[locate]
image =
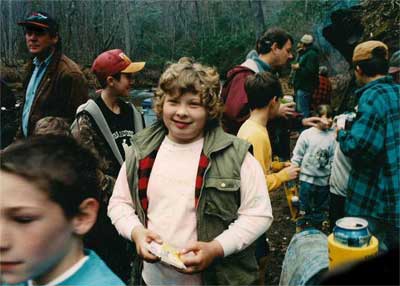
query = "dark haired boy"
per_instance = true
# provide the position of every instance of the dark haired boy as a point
(263, 91)
(373, 144)
(52, 203)
(54, 86)
(106, 126)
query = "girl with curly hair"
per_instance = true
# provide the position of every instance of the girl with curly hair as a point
(187, 183)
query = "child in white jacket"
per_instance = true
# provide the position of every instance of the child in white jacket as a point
(314, 154)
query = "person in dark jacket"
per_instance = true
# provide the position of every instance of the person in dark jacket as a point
(54, 86)
(306, 76)
(8, 115)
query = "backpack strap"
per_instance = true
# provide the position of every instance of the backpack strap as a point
(93, 109)
(137, 119)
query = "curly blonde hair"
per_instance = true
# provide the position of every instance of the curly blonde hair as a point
(189, 76)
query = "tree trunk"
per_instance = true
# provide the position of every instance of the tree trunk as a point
(126, 12)
(259, 22)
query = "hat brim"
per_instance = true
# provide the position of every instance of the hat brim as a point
(35, 24)
(134, 67)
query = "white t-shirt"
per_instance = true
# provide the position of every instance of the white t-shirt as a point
(71, 271)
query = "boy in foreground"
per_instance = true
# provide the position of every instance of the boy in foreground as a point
(52, 202)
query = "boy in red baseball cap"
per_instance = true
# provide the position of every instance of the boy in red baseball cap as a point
(106, 125)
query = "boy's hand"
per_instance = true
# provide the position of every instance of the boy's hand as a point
(199, 255)
(292, 171)
(142, 236)
(287, 109)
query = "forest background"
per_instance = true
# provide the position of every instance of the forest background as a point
(214, 32)
(218, 33)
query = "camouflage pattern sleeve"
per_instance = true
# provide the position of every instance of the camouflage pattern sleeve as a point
(85, 132)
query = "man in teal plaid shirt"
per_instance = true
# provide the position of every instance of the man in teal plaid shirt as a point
(373, 144)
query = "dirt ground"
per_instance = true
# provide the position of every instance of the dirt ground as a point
(279, 235)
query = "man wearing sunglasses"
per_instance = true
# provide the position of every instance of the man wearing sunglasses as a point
(54, 86)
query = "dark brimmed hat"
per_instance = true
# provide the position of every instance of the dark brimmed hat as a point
(40, 20)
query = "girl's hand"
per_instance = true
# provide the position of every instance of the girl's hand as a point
(142, 236)
(199, 255)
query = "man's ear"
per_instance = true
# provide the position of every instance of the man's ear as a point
(272, 103)
(55, 39)
(358, 70)
(274, 47)
(274, 100)
(110, 80)
(86, 218)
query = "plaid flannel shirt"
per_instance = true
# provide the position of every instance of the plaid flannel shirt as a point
(322, 94)
(373, 143)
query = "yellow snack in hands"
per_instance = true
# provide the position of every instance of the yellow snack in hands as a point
(167, 254)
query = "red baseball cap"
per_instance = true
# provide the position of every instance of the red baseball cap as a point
(112, 62)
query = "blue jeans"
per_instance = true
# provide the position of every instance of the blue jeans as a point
(314, 204)
(305, 258)
(303, 102)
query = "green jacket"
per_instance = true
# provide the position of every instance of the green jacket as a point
(306, 77)
(218, 204)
